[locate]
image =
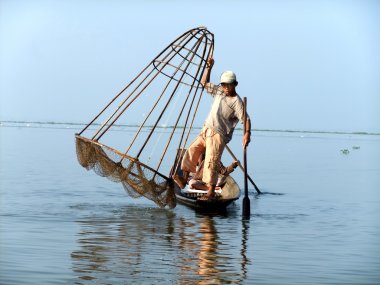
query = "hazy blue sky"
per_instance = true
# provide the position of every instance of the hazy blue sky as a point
(304, 65)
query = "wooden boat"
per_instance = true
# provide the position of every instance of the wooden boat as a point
(225, 196)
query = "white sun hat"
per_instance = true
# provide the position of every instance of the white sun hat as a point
(228, 77)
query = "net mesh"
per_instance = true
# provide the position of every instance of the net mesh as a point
(137, 179)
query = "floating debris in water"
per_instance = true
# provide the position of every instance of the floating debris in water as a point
(356, 147)
(345, 151)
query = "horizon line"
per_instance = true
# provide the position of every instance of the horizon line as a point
(195, 127)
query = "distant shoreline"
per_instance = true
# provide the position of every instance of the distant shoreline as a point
(196, 127)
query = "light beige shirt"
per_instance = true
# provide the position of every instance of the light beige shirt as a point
(225, 113)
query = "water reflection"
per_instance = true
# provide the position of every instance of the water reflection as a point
(136, 245)
(244, 245)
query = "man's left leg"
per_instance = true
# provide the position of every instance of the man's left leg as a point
(214, 149)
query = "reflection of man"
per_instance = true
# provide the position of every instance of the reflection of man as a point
(226, 111)
(207, 256)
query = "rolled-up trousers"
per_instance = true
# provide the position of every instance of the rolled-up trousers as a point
(212, 144)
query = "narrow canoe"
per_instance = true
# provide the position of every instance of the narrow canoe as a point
(226, 195)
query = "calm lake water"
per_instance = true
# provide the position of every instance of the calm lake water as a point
(317, 221)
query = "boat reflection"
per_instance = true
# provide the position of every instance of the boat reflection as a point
(136, 245)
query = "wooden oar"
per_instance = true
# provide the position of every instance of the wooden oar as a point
(242, 168)
(246, 202)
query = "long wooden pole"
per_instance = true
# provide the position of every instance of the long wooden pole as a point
(242, 169)
(246, 202)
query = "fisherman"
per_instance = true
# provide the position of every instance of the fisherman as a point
(226, 111)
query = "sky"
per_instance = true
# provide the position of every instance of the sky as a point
(303, 65)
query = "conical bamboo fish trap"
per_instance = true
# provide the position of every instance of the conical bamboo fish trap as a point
(135, 138)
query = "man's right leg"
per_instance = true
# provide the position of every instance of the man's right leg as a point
(190, 160)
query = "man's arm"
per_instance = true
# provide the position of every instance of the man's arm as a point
(206, 75)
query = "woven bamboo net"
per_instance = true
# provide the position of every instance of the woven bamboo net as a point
(149, 120)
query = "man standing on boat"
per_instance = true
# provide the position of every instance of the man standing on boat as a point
(226, 111)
